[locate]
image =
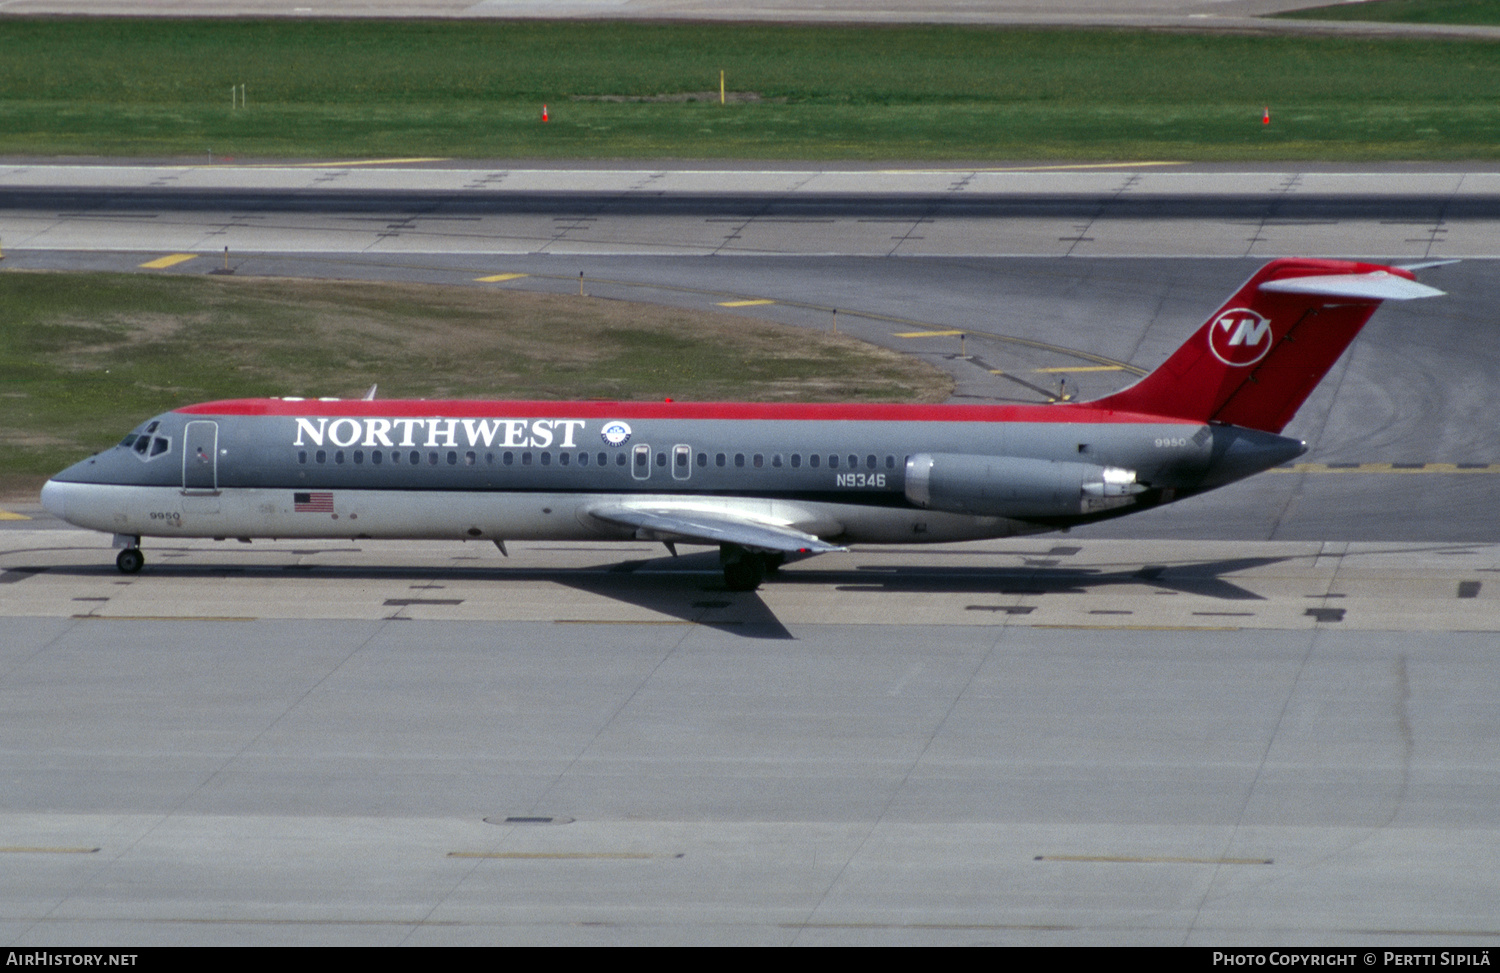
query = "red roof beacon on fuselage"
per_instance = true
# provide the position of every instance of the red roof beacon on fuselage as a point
(762, 482)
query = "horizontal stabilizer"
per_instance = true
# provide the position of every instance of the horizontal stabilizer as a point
(1378, 286)
(667, 522)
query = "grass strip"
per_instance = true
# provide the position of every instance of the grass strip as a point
(475, 89)
(88, 356)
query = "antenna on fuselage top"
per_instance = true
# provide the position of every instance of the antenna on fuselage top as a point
(370, 395)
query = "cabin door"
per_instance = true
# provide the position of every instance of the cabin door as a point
(200, 457)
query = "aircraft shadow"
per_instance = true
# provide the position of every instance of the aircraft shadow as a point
(1202, 578)
(690, 587)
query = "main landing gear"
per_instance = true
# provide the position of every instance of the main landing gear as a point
(130, 559)
(745, 570)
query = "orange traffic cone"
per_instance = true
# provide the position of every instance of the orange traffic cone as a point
(544, 113)
(1264, 119)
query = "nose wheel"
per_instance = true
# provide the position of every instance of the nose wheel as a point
(130, 560)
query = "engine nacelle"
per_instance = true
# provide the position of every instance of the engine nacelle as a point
(1011, 486)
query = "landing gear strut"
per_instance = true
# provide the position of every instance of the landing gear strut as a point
(745, 570)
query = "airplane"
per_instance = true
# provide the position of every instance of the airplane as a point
(763, 482)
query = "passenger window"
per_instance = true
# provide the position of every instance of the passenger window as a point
(739, 460)
(526, 458)
(562, 459)
(302, 456)
(583, 459)
(813, 460)
(702, 460)
(375, 456)
(546, 458)
(776, 460)
(833, 461)
(508, 459)
(890, 462)
(720, 459)
(359, 457)
(432, 458)
(321, 456)
(338, 457)
(870, 462)
(661, 459)
(759, 461)
(416, 457)
(452, 457)
(470, 459)
(619, 459)
(395, 457)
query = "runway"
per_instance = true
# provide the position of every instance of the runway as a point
(1264, 716)
(1242, 15)
(430, 207)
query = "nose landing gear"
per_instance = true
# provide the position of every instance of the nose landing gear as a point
(130, 559)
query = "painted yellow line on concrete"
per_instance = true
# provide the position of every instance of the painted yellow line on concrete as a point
(926, 334)
(1153, 860)
(754, 303)
(1059, 168)
(11, 515)
(340, 165)
(1141, 628)
(1085, 368)
(495, 279)
(621, 621)
(560, 855)
(43, 850)
(167, 618)
(170, 260)
(1388, 468)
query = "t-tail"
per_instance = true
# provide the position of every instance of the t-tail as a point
(1256, 360)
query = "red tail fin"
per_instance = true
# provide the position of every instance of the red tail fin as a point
(1256, 360)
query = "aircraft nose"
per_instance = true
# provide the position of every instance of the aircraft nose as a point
(54, 498)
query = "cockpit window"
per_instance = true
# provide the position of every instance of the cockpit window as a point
(145, 445)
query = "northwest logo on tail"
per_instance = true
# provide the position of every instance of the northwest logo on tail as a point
(1240, 337)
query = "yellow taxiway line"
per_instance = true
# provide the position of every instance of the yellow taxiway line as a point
(170, 260)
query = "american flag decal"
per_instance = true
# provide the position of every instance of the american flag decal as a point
(312, 503)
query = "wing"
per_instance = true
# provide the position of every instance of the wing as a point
(666, 523)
